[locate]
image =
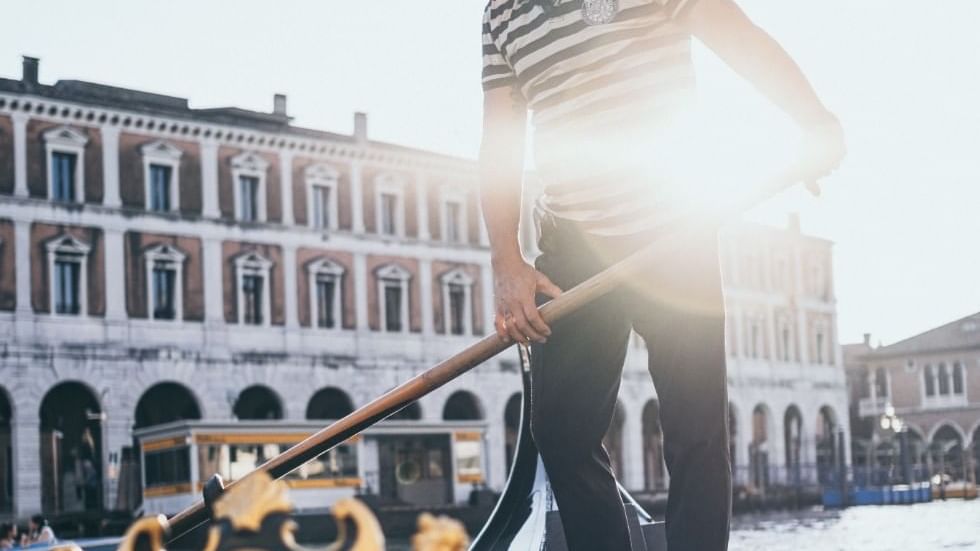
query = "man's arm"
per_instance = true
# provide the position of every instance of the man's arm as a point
(749, 50)
(501, 174)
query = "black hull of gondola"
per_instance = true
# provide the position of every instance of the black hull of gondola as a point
(526, 517)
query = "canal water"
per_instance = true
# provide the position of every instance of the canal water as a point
(936, 526)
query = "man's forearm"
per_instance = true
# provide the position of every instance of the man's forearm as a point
(757, 57)
(500, 198)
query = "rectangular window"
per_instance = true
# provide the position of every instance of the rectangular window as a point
(457, 296)
(66, 280)
(326, 286)
(168, 467)
(393, 306)
(164, 292)
(819, 348)
(453, 217)
(63, 176)
(252, 303)
(160, 182)
(248, 197)
(321, 207)
(389, 210)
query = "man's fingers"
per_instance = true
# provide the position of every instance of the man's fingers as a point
(524, 329)
(545, 286)
(501, 326)
(536, 321)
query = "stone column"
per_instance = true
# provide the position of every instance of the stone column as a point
(422, 202)
(20, 154)
(22, 268)
(115, 277)
(356, 198)
(26, 444)
(290, 288)
(286, 187)
(361, 278)
(801, 325)
(486, 285)
(214, 311)
(426, 299)
(110, 166)
(209, 179)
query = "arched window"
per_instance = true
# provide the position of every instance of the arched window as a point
(958, 378)
(462, 406)
(929, 380)
(943, 376)
(71, 442)
(881, 383)
(258, 402)
(165, 403)
(329, 403)
(793, 440)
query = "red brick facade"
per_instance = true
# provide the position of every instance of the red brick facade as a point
(8, 274)
(6, 155)
(136, 244)
(41, 280)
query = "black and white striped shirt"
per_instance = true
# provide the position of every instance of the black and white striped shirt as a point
(598, 95)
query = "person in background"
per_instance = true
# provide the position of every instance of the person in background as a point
(8, 536)
(39, 530)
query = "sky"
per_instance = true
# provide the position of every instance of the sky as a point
(903, 210)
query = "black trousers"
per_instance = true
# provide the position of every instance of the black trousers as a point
(678, 309)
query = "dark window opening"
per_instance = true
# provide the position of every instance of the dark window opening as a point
(67, 274)
(160, 187)
(252, 295)
(63, 176)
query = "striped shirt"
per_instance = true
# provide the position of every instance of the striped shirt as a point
(598, 95)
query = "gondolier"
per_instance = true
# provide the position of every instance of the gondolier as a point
(604, 79)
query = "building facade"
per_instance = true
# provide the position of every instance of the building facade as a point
(930, 383)
(162, 264)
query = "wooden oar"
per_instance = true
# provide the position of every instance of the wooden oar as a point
(491, 345)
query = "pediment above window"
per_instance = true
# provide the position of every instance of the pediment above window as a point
(389, 179)
(321, 172)
(325, 266)
(160, 149)
(457, 277)
(67, 244)
(253, 260)
(65, 136)
(393, 271)
(249, 161)
(165, 252)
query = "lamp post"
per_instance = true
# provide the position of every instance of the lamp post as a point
(891, 422)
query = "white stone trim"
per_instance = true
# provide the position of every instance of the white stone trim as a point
(286, 186)
(252, 263)
(20, 121)
(457, 277)
(66, 245)
(939, 400)
(401, 277)
(174, 259)
(249, 164)
(325, 266)
(450, 195)
(324, 176)
(389, 184)
(209, 179)
(65, 139)
(110, 166)
(162, 153)
(422, 205)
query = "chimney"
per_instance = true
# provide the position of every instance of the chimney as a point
(279, 105)
(360, 127)
(867, 340)
(30, 70)
(793, 223)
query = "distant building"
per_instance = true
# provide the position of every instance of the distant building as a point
(199, 277)
(931, 382)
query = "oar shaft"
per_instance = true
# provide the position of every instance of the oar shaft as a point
(486, 348)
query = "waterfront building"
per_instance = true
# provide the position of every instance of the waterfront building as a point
(176, 279)
(931, 383)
